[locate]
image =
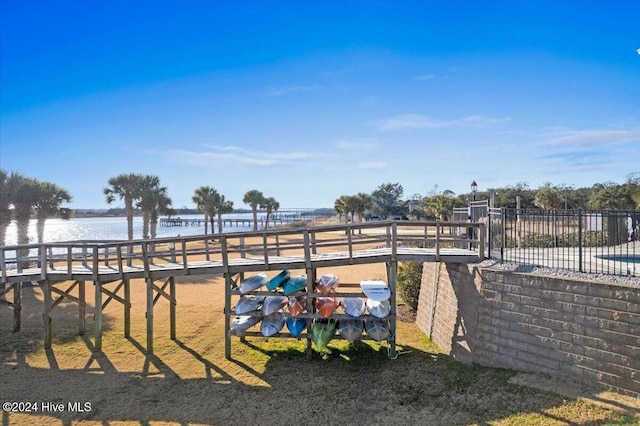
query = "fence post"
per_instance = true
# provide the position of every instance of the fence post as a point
(503, 243)
(580, 240)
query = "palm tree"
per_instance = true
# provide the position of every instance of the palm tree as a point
(271, 205)
(162, 205)
(206, 200)
(363, 203)
(23, 193)
(222, 206)
(150, 189)
(5, 203)
(127, 187)
(254, 198)
(339, 207)
(50, 196)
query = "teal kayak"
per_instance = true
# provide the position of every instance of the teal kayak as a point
(295, 284)
(278, 280)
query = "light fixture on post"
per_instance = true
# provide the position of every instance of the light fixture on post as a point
(474, 189)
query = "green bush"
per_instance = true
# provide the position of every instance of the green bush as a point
(409, 279)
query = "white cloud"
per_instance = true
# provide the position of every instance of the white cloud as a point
(592, 138)
(235, 155)
(418, 121)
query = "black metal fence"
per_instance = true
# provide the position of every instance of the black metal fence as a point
(593, 241)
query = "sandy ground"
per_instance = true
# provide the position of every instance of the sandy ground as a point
(188, 381)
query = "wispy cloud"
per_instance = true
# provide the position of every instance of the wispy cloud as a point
(591, 138)
(418, 121)
(279, 91)
(356, 144)
(235, 155)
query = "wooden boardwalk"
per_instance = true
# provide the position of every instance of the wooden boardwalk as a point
(71, 264)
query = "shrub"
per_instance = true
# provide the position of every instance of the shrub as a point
(408, 283)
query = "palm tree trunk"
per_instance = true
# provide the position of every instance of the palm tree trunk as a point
(146, 218)
(40, 228)
(154, 223)
(5, 220)
(128, 203)
(220, 221)
(22, 224)
(266, 224)
(255, 217)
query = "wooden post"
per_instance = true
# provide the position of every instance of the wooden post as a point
(46, 288)
(227, 293)
(127, 308)
(310, 282)
(17, 305)
(98, 302)
(98, 316)
(82, 308)
(149, 281)
(172, 307)
(393, 274)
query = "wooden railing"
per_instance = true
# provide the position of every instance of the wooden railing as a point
(36, 259)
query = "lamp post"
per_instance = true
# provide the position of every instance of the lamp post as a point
(474, 189)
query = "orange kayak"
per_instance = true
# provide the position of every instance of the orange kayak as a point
(326, 305)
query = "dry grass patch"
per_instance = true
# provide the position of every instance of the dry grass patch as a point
(189, 381)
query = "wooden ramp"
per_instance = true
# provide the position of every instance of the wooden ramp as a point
(116, 263)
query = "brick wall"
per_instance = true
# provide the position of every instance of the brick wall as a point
(587, 331)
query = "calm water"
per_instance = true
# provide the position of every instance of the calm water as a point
(112, 228)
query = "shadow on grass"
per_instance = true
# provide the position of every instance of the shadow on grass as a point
(352, 383)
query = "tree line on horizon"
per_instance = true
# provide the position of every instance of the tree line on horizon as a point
(22, 198)
(388, 200)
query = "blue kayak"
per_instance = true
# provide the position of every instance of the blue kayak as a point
(296, 326)
(295, 284)
(278, 281)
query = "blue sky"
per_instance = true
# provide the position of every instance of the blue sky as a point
(306, 101)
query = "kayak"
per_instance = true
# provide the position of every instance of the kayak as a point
(296, 326)
(278, 280)
(323, 332)
(375, 289)
(327, 284)
(378, 309)
(353, 306)
(376, 329)
(295, 284)
(248, 304)
(253, 283)
(351, 329)
(326, 305)
(272, 304)
(296, 305)
(242, 323)
(272, 324)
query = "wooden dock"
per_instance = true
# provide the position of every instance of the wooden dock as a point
(279, 218)
(62, 269)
